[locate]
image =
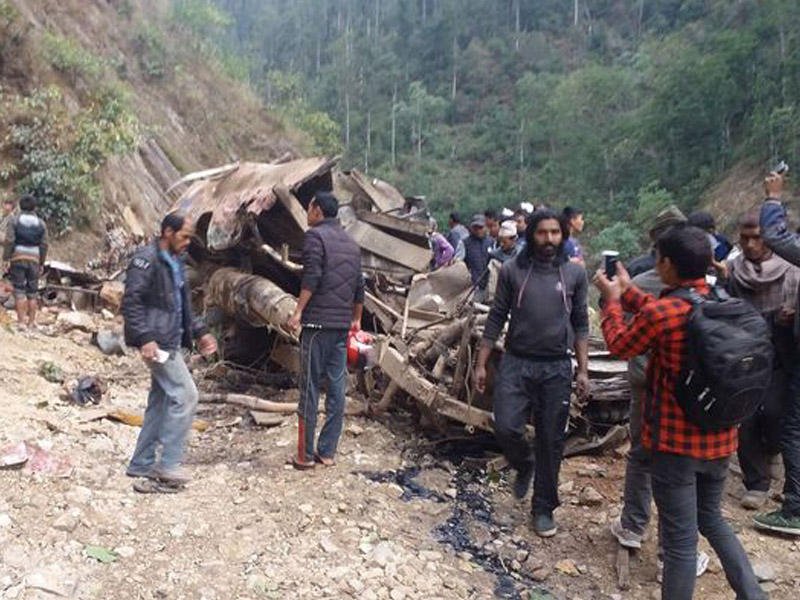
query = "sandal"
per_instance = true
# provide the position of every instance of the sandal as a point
(152, 486)
(325, 461)
(301, 465)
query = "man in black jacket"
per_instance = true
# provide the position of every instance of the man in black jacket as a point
(476, 255)
(545, 295)
(330, 303)
(159, 321)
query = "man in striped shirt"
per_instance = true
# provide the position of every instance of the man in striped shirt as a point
(688, 465)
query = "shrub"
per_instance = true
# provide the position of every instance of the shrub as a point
(57, 154)
(71, 59)
(150, 47)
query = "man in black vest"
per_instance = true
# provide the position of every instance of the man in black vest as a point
(26, 249)
(330, 303)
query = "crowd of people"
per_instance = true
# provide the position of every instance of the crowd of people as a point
(648, 312)
(541, 303)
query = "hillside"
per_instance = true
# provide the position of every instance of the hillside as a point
(105, 103)
(615, 106)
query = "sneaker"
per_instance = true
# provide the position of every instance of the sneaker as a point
(544, 525)
(523, 482)
(175, 476)
(137, 473)
(625, 537)
(754, 499)
(702, 563)
(777, 521)
(701, 566)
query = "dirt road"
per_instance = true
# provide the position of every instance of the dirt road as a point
(396, 518)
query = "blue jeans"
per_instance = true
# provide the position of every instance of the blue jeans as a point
(688, 493)
(543, 388)
(170, 410)
(638, 493)
(323, 353)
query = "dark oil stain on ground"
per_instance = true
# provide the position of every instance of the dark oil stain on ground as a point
(471, 504)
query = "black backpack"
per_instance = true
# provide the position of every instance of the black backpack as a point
(729, 360)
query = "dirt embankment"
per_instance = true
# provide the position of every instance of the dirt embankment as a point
(191, 114)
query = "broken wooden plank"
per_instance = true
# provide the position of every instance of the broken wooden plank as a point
(386, 399)
(623, 568)
(395, 224)
(464, 357)
(374, 240)
(382, 195)
(136, 419)
(265, 419)
(257, 404)
(292, 205)
(384, 313)
(409, 380)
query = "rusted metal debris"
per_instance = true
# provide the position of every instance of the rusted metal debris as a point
(249, 220)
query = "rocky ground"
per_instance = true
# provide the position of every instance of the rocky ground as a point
(400, 516)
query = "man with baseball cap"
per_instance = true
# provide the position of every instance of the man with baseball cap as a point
(476, 255)
(668, 217)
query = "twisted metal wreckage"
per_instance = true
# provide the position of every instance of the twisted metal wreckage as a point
(249, 221)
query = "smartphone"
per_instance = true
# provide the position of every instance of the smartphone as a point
(610, 260)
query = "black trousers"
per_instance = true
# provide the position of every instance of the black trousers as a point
(542, 388)
(760, 435)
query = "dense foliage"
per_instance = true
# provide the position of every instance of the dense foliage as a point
(614, 105)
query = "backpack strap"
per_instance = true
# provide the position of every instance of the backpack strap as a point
(691, 295)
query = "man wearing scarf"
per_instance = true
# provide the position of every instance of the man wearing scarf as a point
(769, 283)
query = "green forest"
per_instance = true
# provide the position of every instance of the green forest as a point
(616, 106)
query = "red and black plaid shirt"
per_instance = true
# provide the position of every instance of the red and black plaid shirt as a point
(659, 326)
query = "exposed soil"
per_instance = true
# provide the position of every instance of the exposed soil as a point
(400, 516)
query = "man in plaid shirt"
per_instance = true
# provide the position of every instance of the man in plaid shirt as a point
(688, 465)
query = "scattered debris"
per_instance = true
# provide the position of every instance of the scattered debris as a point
(87, 389)
(68, 321)
(110, 342)
(33, 458)
(100, 554)
(136, 419)
(568, 567)
(51, 372)
(590, 497)
(265, 419)
(13, 456)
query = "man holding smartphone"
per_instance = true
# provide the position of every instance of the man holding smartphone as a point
(786, 244)
(158, 320)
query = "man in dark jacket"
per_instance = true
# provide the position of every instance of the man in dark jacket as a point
(786, 244)
(770, 284)
(330, 303)
(159, 321)
(476, 255)
(26, 250)
(545, 295)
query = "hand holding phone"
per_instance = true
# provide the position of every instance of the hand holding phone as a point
(610, 260)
